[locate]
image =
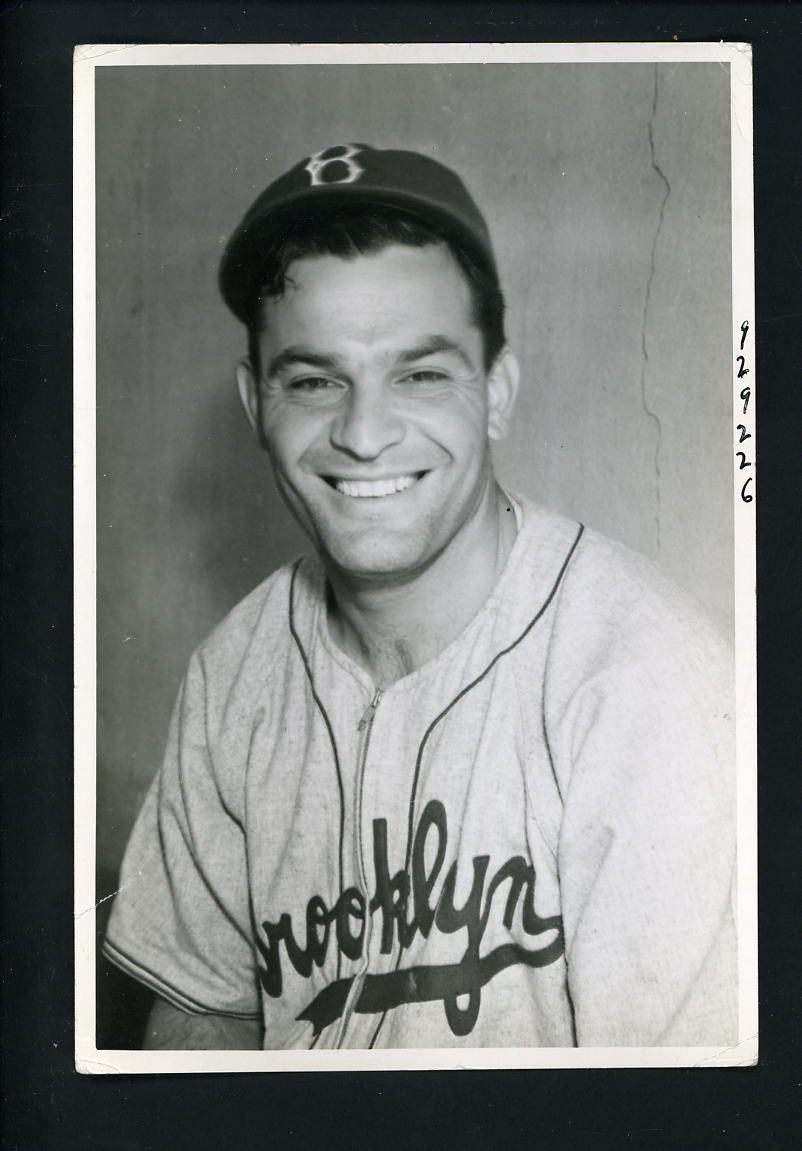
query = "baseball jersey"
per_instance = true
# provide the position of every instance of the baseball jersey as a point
(528, 841)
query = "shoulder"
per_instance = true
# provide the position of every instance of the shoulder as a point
(636, 677)
(620, 597)
(628, 643)
(614, 608)
(255, 631)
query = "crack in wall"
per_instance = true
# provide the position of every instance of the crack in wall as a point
(650, 412)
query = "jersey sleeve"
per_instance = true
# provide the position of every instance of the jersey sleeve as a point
(181, 920)
(645, 760)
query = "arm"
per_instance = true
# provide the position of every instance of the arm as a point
(181, 919)
(641, 737)
(170, 1029)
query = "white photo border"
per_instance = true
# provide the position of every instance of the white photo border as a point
(87, 59)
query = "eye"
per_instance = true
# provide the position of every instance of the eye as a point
(426, 376)
(311, 384)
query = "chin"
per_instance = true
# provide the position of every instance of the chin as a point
(379, 560)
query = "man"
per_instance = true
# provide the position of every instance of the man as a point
(463, 776)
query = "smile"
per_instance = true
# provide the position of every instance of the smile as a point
(372, 489)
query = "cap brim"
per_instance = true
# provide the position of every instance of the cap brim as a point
(243, 262)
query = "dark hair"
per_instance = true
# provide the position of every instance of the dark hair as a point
(359, 230)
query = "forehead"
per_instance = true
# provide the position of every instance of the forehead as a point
(392, 291)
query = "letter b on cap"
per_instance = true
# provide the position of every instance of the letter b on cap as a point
(334, 165)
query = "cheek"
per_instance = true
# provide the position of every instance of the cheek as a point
(290, 432)
(459, 423)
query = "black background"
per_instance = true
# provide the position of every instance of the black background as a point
(46, 1104)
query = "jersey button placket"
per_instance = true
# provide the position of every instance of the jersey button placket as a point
(364, 732)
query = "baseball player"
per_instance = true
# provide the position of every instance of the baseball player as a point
(463, 775)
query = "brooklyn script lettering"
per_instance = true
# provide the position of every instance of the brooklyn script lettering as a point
(413, 889)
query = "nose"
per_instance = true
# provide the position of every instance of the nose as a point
(366, 423)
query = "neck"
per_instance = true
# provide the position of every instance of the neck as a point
(392, 629)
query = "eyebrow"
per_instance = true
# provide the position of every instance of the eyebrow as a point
(298, 354)
(430, 346)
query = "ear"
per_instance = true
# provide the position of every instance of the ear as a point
(502, 388)
(248, 393)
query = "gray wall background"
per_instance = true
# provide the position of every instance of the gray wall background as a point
(606, 187)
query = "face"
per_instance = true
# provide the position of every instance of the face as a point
(376, 409)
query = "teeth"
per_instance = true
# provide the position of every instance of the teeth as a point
(370, 489)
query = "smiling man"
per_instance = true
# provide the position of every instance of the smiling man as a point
(463, 775)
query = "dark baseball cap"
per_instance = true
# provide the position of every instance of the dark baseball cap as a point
(351, 174)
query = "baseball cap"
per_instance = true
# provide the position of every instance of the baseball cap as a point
(350, 174)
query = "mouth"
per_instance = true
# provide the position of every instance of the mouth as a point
(374, 489)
